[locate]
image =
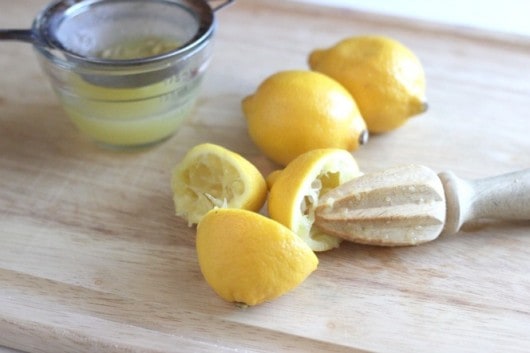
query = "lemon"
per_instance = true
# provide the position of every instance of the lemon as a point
(385, 78)
(249, 258)
(293, 112)
(212, 176)
(295, 191)
(271, 178)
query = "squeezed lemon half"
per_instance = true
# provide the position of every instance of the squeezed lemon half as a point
(211, 176)
(295, 191)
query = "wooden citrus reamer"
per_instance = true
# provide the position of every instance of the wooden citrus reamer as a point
(411, 205)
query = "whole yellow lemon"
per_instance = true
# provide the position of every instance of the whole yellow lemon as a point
(385, 78)
(293, 112)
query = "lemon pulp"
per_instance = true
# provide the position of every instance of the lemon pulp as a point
(137, 48)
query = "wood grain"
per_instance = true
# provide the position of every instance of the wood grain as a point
(92, 257)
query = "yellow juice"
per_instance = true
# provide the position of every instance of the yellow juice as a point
(129, 116)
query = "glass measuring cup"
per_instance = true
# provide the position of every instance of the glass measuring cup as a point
(127, 72)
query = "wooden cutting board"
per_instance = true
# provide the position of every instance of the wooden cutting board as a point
(92, 258)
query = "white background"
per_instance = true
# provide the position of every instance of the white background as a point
(509, 16)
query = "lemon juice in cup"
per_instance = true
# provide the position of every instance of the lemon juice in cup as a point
(130, 115)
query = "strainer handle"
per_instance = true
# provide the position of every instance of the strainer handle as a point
(222, 4)
(23, 35)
